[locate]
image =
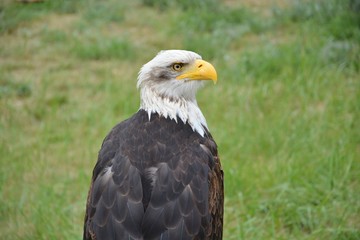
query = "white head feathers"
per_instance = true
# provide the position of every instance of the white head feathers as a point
(162, 93)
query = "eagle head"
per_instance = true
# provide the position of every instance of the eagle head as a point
(176, 74)
(168, 84)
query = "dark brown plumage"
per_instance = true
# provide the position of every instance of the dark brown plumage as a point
(155, 178)
(187, 195)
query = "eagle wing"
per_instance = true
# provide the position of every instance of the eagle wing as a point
(114, 206)
(187, 196)
(178, 205)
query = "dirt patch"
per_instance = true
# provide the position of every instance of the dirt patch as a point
(259, 6)
(58, 22)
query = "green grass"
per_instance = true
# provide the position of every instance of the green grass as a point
(285, 111)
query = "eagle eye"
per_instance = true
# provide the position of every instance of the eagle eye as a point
(177, 66)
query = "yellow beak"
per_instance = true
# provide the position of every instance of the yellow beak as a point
(200, 70)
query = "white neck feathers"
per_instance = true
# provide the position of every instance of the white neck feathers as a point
(185, 109)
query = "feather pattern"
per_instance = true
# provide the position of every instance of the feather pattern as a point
(149, 183)
(187, 110)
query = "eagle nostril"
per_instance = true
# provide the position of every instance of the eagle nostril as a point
(200, 66)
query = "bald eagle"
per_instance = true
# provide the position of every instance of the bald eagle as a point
(158, 174)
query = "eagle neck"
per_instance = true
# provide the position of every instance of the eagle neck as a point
(186, 110)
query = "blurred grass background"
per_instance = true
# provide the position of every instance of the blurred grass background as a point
(285, 112)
